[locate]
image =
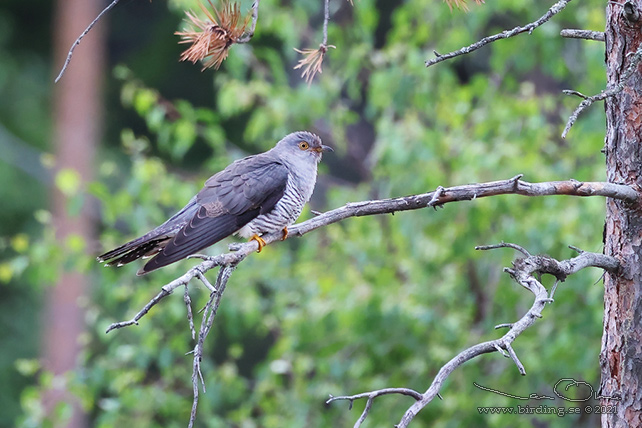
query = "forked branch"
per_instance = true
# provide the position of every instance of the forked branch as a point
(606, 93)
(525, 272)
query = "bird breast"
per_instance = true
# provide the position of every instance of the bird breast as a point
(298, 191)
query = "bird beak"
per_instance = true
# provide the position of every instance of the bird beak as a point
(324, 148)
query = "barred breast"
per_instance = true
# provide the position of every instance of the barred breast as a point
(284, 213)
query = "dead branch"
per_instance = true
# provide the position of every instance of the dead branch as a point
(554, 10)
(525, 272)
(83, 34)
(371, 396)
(255, 16)
(239, 251)
(226, 259)
(439, 197)
(571, 33)
(606, 93)
(206, 325)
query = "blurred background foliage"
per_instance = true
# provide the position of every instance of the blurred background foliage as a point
(364, 304)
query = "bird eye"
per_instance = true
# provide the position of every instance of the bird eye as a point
(303, 145)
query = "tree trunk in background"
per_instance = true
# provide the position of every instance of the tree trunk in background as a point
(621, 356)
(77, 126)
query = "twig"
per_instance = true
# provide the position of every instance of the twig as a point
(326, 20)
(571, 33)
(371, 396)
(226, 259)
(523, 273)
(504, 245)
(439, 191)
(555, 9)
(190, 317)
(83, 34)
(165, 291)
(605, 93)
(209, 313)
(206, 282)
(255, 16)
(576, 93)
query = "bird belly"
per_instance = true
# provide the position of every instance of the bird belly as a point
(284, 213)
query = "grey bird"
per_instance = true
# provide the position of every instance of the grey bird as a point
(259, 194)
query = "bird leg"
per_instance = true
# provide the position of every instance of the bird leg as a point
(285, 234)
(259, 241)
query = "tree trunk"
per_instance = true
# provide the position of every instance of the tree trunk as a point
(77, 121)
(621, 355)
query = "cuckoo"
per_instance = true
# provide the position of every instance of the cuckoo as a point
(259, 194)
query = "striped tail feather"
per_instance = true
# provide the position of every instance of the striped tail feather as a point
(134, 250)
(152, 242)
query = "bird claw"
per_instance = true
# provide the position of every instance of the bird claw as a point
(259, 241)
(285, 234)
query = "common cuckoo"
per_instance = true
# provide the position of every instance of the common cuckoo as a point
(253, 196)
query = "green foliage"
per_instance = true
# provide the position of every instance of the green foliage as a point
(369, 302)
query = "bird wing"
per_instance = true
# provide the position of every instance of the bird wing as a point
(230, 199)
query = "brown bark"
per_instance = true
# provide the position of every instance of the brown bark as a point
(621, 355)
(77, 118)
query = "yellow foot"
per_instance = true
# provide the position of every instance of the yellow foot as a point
(259, 241)
(285, 234)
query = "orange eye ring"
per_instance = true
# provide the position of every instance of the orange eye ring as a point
(303, 145)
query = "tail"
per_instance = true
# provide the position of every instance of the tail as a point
(145, 246)
(150, 243)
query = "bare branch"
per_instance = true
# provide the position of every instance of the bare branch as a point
(386, 206)
(165, 291)
(326, 20)
(504, 245)
(190, 317)
(576, 93)
(463, 193)
(83, 34)
(523, 273)
(209, 313)
(571, 33)
(606, 93)
(371, 396)
(226, 259)
(206, 282)
(555, 9)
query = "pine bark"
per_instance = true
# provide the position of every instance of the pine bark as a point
(621, 355)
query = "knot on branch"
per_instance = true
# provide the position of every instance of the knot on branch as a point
(541, 264)
(631, 14)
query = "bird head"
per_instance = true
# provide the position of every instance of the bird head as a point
(304, 145)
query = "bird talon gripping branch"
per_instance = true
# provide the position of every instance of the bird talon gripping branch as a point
(255, 195)
(259, 241)
(285, 233)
